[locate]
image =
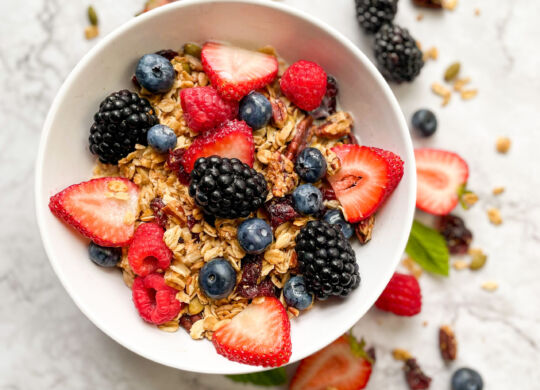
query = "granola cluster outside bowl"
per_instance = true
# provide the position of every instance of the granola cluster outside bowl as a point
(64, 159)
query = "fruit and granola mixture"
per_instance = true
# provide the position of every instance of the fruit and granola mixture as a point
(227, 189)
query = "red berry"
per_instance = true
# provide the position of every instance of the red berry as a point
(174, 163)
(334, 367)
(204, 109)
(304, 83)
(401, 296)
(155, 301)
(148, 253)
(98, 209)
(235, 72)
(259, 335)
(233, 139)
(440, 176)
(366, 178)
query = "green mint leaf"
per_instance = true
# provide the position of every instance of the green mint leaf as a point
(274, 377)
(428, 248)
(357, 348)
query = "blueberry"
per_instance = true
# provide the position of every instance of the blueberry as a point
(295, 293)
(425, 122)
(254, 235)
(217, 278)
(255, 109)
(307, 199)
(467, 379)
(161, 138)
(104, 256)
(335, 217)
(310, 165)
(155, 73)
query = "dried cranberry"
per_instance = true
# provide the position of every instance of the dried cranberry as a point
(167, 53)
(457, 236)
(371, 353)
(280, 210)
(187, 321)
(174, 163)
(328, 104)
(191, 221)
(248, 286)
(267, 289)
(328, 193)
(351, 138)
(416, 379)
(157, 207)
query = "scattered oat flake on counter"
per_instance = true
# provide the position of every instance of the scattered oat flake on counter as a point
(419, 17)
(401, 354)
(490, 286)
(442, 91)
(460, 83)
(469, 94)
(469, 199)
(431, 53)
(412, 267)
(91, 32)
(503, 144)
(477, 12)
(449, 4)
(460, 265)
(494, 216)
(498, 190)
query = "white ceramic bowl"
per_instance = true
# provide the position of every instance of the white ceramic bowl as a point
(64, 159)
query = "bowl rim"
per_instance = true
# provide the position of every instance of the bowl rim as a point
(40, 210)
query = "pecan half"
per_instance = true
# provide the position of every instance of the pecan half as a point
(279, 112)
(174, 209)
(281, 175)
(364, 229)
(335, 126)
(416, 379)
(428, 3)
(301, 137)
(447, 343)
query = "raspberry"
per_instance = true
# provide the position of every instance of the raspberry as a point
(148, 253)
(205, 109)
(155, 301)
(304, 83)
(401, 296)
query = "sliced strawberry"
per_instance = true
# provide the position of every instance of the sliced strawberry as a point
(233, 139)
(440, 174)
(259, 335)
(366, 178)
(235, 72)
(334, 367)
(101, 209)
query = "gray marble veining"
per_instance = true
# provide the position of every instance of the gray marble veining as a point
(47, 343)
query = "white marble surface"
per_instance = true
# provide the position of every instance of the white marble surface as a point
(47, 343)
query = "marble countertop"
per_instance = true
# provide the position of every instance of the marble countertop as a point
(47, 343)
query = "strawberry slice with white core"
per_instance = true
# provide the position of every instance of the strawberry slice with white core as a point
(366, 178)
(440, 175)
(101, 209)
(259, 335)
(233, 139)
(234, 71)
(334, 367)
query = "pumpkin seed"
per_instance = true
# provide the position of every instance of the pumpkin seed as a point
(478, 259)
(92, 16)
(452, 71)
(192, 49)
(186, 67)
(195, 306)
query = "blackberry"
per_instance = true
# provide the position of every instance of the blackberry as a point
(326, 260)
(372, 14)
(398, 57)
(226, 187)
(121, 122)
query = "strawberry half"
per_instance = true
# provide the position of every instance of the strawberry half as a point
(440, 175)
(259, 335)
(235, 72)
(366, 178)
(233, 139)
(335, 367)
(101, 209)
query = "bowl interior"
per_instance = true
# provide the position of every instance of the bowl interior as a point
(63, 160)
